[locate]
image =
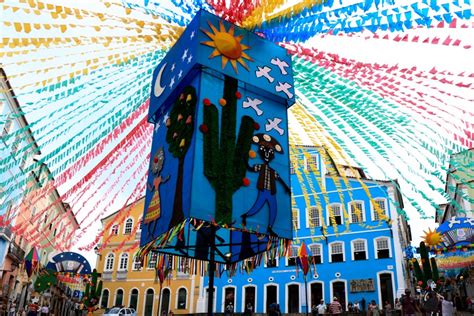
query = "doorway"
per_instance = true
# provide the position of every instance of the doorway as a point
(293, 298)
(339, 291)
(386, 288)
(271, 296)
(148, 310)
(249, 295)
(316, 293)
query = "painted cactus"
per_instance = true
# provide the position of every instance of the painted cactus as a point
(428, 269)
(93, 291)
(225, 155)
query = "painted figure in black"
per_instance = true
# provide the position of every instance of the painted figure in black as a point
(267, 178)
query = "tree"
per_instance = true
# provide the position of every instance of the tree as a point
(225, 155)
(180, 131)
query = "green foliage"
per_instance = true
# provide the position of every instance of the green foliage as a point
(225, 155)
(93, 291)
(45, 280)
(430, 268)
(179, 135)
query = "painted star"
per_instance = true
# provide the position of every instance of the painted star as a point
(165, 118)
(157, 127)
(180, 74)
(192, 35)
(172, 67)
(190, 58)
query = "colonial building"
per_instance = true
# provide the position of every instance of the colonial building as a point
(127, 283)
(353, 232)
(27, 191)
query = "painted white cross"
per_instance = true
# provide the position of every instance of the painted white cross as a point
(171, 83)
(283, 87)
(192, 35)
(157, 126)
(165, 118)
(280, 64)
(469, 220)
(253, 104)
(273, 124)
(180, 74)
(190, 58)
(172, 67)
(185, 54)
(452, 221)
(264, 72)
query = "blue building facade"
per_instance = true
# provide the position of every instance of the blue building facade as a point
(354, 235)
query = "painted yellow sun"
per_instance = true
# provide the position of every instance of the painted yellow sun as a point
(227, 45)
(432, 238)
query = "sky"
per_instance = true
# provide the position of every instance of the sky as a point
(57, 121)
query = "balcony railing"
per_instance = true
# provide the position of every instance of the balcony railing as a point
(5, 232)
(15, 252)
(107, 275)
(121, 275)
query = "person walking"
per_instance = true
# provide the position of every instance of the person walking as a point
(335, 307)
(373, 309)
(321, 308)
(409, 304)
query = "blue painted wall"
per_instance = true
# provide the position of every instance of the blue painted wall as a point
(307, 187)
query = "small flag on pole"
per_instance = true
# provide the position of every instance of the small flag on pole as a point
(303, 258)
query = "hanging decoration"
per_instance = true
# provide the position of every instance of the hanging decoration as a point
(82, 79)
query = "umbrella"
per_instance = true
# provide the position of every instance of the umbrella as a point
(32, 262)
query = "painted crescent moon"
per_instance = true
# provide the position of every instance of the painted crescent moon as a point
(158, 88)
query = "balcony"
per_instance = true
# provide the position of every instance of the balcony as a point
(121, 275)
(16, 253)
(6, 233)
(107, 275)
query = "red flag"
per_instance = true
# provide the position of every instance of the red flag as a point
(303, 258)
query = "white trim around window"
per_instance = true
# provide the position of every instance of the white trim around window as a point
(318, 245)
(309, 217)
(296, 211)
(373, 213)
(329, 209)
(109, 262)
(362, 211)
(343, 250)
(123, 262)
(389, 246)
(128, 226)
(177, 299)
(365, 248)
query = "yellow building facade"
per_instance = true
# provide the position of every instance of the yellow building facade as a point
(127, 283)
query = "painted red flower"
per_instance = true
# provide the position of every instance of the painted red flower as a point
(203, 128)
(246, 182)
(256, 126)
(206, 102)
(238, 94)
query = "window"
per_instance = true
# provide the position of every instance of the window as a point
(123, 265)
(105, 298)
(296, 218)
(292, 167)
(314, 219)
(379, 208)
(182, 298)
(140, 224)
(357, 213)
(109, 262)
(291, 260)
(128, 226)
(271, 262)
(336, 252)
(312, 163)
(119, 298)
(336, 211)
(316, 253)
(152, 257)
(382, 247)
(114, 230)
(6, 126)
(137, 264)
(359, 250)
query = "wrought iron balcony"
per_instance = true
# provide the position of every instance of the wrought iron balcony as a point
(107, 275)
(6, 233)
(121, 275)
(16, 253)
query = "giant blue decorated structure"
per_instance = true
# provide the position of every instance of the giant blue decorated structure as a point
(219, 163)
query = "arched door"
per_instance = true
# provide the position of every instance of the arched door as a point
(148, 310)
(119, 298)
(105, 299)
(165, 301)
(134, 299)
